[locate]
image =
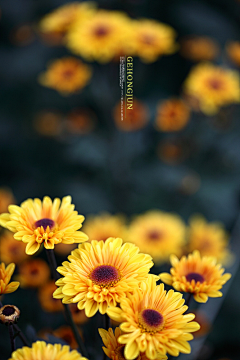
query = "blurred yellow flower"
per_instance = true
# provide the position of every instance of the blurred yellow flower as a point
(114, 350)
(6, 286)
(11, 250)
(103, 226)
(158, 234)
(172, 115)
(233, 51)
(45, 297)
(6, 199)
(66, 75)
(42, 351)
(199, 48)
(212, 86)
(79, 316)
(66, 334)
(200, 276)
(171, 152)
(210, 239)
(153, 322)
(48, 123)
(62, 18)
(38, 222)
(131, 119)
(33, 273)
(151, 39)
(100, 37)
(101, 274)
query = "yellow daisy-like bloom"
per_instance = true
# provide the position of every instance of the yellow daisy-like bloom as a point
(103, 226)
(114, 350)
(210, 239)
(6, 286)
(100, 274)
(233, 51)
(153, 321)
(202, 277)
(42, 351)
(63, 17)
(151, 39)
(101, 37)
(172, 115)
(158, 234)
(67, 75)
(38, 222)
(212, 86)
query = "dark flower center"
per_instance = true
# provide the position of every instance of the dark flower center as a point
(155, 235)
(101, 31)
(152, 318)
(215, 84)
(44, 223)
(105, 275)
(194, 276)
(8, 310)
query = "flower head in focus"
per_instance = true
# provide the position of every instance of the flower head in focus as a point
(11, 250)
(172, 115)
(153, 322)
(202, 277)
(66, 75)
(40, 350)
(151, 39)
(158, 234)
(114, 350)
(100, 274)
(38, 222)
(6, 286)
(198, 48)
(212, 87)
(210, 239)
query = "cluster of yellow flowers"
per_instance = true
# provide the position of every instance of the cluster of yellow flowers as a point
(112, 277)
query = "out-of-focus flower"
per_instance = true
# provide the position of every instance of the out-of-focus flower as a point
(200, 276)
(48, 123)
(212, 87)
(6, 286)
(33, 273)
(79, 316)
(158, 234)
(6, 199)
(190, 184)
(205, 325)
(199, 48)
(210, 239)
(36, 222)
(103, 226)
(101, 274)
(114, 350)
(64, 249)
(11, 250)
(100, 37)
(61, 19)
(9, 314)
(65, 333)
(171, 152)
(172, 115)
(66, 75)
(23, 35)
(43, 351)
(233, 51)
(153, 322)
(45, 296)
(151, 39)
(80, 121)
(131, 119)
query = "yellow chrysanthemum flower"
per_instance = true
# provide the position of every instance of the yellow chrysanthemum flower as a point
(100, 274)
(63, 17)
(153, 321)
(200, 276)
(38, 222)
(42, 351)
(67, 75)
(158, 234)
(151, 39)
(101, 37)
(210, 239)
(114, 350)
(6, 286)
(212, 86)
(101, 227)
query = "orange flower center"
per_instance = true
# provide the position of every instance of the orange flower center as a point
(101, 31)
(45, 223)
(151, 321)
(194, 276)
(215, 84)
(155, 235)
(105, 275)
